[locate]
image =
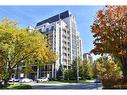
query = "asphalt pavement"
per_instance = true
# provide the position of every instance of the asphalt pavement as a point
(66, 86)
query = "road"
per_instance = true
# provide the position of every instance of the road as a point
(67, 86)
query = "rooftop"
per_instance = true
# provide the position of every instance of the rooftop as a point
(55, 18)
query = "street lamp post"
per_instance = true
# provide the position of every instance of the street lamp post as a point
(77, 64)
(77, 71)
(96, 77)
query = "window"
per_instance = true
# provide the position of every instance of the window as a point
(42, 69)
(52, 28)
(47, 29)
(39, 30)
(49, 68)
(47, 35)
(60, 29)
(46, 68)
(68, 32)
(68, 43)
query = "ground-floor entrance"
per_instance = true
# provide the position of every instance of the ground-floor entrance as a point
(47, 70)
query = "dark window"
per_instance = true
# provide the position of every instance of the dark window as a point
(39, 30)
(47, 29)
(52, 28)
(41, 68)
(46, 68)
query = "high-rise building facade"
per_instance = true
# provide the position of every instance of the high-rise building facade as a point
(63, 38)
(88, 57)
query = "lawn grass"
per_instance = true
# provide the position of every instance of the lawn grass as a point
(53, 82)
(19, 86)
(74, 81)
(67, 81)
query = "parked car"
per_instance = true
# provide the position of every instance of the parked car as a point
(43, 79)
(14, 80)
(25, 80)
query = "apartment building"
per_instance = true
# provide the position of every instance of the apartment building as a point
(88, 57)
(63, 38)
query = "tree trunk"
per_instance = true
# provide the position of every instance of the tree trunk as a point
(7, 78)
(124, 66)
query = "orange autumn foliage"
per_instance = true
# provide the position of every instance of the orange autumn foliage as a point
(110, 31)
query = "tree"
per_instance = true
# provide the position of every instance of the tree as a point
(60, 73)
(91, 71)
(71, 74)
(107, 68)
(86, 70)
(17, 46)
(110, 33)
(84, 73)
(74, 69)
(68, 74)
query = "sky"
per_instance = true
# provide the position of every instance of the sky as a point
(30, 15)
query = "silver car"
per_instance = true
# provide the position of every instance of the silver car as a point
(26, 80)
(43, 79)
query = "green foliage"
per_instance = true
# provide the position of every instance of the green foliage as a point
(1, 86)
(20, 86)
(18, 46)
(86, 70)
(107, 68)
(73, 71)
(91, 70)
(27, 70)
(69, 75)
(60, 73)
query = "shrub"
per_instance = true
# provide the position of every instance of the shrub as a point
(1, 86)
(109, 82)
(114, 83)
(69, 75)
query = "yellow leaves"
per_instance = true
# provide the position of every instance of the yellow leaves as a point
(6, 21)
(107, 68)
(23, 45)
(46, 55)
